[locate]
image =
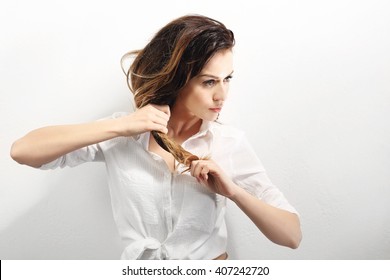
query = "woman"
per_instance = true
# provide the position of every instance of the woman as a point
(170, 165)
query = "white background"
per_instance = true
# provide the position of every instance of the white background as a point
(311, 89)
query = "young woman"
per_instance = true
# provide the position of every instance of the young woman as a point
(171, 166)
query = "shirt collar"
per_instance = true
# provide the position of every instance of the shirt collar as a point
(206, 127)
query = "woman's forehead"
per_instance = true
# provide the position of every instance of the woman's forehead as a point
(220, 65)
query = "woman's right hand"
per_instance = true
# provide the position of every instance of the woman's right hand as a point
(45, 144)
(148, 118)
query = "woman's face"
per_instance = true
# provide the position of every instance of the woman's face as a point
(204, 95)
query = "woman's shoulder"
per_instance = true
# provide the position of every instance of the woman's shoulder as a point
(225, 130)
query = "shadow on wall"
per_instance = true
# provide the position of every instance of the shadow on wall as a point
(73, 221)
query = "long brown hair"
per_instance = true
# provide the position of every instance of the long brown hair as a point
(177, 53)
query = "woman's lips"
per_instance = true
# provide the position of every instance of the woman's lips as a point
(216, 110)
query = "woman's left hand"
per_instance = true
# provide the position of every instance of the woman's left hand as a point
(212, 176)
(280, 226)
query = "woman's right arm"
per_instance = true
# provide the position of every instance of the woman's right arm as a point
(46, 144)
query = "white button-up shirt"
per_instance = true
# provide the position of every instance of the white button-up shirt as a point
(165, 215)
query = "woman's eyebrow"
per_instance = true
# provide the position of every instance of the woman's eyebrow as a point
(213, 76)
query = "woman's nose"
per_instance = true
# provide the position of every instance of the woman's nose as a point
(221, 92)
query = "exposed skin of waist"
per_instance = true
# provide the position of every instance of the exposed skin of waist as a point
(223, 256)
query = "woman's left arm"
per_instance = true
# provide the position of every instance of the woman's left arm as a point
(279, 226)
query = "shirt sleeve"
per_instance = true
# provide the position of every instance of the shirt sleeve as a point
(86, 154)
(249, 173)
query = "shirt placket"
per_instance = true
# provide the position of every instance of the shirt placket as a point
(167, 200)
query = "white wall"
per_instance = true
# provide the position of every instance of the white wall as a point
(311, 90)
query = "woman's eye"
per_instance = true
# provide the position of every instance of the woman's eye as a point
(228, 78)
(209, 83)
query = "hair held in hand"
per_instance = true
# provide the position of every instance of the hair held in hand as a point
(176, 54)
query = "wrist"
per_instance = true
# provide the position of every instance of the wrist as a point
(235, 194)
(113, 127)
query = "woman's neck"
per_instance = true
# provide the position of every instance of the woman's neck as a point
(182, 125)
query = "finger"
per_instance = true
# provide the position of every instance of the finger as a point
(161, 128)
(199, 167)
(157, 125)
(192, 167)
(160, 120)
(204, 173)
(195, 168)
(163, 108)
(162, 115)
(155, 114)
